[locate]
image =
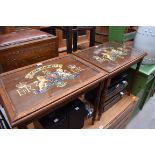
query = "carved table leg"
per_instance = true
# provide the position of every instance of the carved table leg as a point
(102, 100)
(97, 100)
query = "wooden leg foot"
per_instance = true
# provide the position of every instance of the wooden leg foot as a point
(99, 116)
(93, 121)
(22, 127)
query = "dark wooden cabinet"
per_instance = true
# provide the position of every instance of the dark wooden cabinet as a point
(101, 35)
(25, 47)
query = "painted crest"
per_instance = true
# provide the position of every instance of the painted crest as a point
(110, 54)
(48, 79)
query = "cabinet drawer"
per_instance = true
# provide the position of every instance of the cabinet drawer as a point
(23, 55)
(120, 118)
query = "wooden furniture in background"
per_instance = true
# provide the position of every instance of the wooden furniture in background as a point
(33, 91)
(84, 35)
(9, 29)
(18, 49)
(77, 29)
(70, 37)
(119, 34)
(102, 33)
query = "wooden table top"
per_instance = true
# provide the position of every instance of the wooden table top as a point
(32, 90)
(111, 56)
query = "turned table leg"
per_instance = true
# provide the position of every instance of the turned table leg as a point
(97, 101)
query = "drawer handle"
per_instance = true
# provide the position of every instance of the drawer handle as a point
(77, 108)
(56, 120)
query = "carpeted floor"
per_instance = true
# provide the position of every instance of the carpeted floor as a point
(145, 119)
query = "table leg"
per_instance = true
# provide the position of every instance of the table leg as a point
(134, 77)
(75, 36)
(102, 100)
(23, 126)
(97, 101)
(92, 36)
(69, 39)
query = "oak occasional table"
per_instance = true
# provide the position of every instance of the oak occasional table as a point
(31, 92)
(113, 58)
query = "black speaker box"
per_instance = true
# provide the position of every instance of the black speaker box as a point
(55, 120)
(68, 117)
(76, 114)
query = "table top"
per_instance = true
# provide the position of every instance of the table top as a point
(111, 56)
(30, 91)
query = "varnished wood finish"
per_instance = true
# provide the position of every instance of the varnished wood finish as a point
(117, 116)
(112, 67)
(24, 107)
(18, 49)
(122, 63)
(101, 34)
(8, 29)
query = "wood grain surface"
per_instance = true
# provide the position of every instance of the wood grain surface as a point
(22, 106)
